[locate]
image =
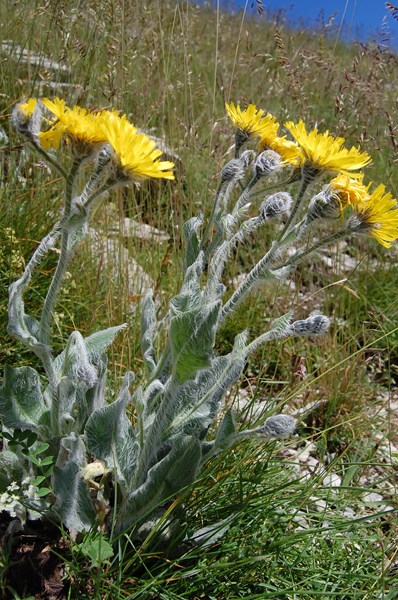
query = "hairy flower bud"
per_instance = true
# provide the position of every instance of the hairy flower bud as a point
(26, 118)
(324, 205)
(234, 169)
(313, 325)
(267, 162)
(278, 425)
(275, 205)
(247, 157)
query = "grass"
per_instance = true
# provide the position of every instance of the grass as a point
(171, 66)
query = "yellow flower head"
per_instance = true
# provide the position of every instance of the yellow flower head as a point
(79, 124)
(350, 191)
(25, 123)
(379, 214)
(22, 118)
(252, 122)
(289, 151)
(27, 107)
(325, 152)
(136, 154)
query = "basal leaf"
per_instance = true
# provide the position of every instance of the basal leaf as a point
(110, 435)
(21, 399)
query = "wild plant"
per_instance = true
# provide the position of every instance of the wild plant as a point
(87, 462)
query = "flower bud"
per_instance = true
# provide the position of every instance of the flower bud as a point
(26, 118)
(247, 157)
(275, 204)
(313, 325)
(234, 169)
(324, 205)
(267, 162)
(278, 425)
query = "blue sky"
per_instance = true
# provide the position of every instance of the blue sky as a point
(361, 19)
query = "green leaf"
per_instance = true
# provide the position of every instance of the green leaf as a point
(45, 462)
(148, 332)
(176, 470)
(21, 399)
(226, 430)
(38, 480)
(95, 344)
(190, 229)
(98, 550)
(11, 468)
(73, 503)
(211, 534)
(33, 459)
(110, 435)
(23, 327)
(41, 448)
(43, 492)
(192, 336)
(197, 402)
(31, 438)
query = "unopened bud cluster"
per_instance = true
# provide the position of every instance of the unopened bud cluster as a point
(278, 426)
(266, 163)
(275, 205)
(313, 325)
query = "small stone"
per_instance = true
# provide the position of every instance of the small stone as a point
(349, 513)
(332, 480)
(372, 497)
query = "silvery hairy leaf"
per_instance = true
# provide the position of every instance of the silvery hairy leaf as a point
(192, 337)
(190, 294)
(22, 326)
(73, 503)
(226, 430)
(110, 435)
(95, 345)
(176, 470)
(22, 403)
(11, 469)
(211, 534)
(191, 228)
(197, 402)
(148, 332)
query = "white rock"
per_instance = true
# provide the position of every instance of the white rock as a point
(332, 480)
(372, 497)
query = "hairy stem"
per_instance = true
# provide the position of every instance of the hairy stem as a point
(63, 260)
(50, 159)
(251, 279)
(308, 177)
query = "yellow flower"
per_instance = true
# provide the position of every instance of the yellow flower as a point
(350, 191)
(27, 107)
(135, 153)
(289, 151)
(52, 137)
(325, 152)
(79, 124)
(252, 122)
(380, 214)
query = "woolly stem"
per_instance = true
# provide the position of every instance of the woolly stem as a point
(50, 159)
(63, 260)
(250, 280)
(308, 177)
